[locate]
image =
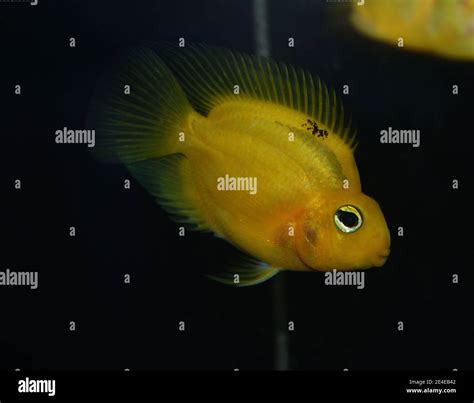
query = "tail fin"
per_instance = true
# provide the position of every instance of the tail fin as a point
(138, 111)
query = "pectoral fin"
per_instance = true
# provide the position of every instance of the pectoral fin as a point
(245, 271)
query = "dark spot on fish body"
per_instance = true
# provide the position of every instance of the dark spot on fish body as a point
(312, 126)
(322, 133)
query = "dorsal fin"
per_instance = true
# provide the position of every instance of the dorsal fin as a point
(208, 76)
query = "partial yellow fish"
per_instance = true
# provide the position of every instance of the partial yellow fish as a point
(442, 27)
(257, 152)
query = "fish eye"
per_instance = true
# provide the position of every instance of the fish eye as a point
(348, 219)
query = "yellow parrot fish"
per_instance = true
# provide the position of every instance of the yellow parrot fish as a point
(255, 151)
(442, 27)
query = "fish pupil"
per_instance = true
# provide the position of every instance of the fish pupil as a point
(349, 219)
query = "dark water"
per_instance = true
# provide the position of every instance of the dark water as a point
(119, 232)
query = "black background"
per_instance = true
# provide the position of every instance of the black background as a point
(123, 231)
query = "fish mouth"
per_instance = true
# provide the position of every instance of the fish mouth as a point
(381, 259)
